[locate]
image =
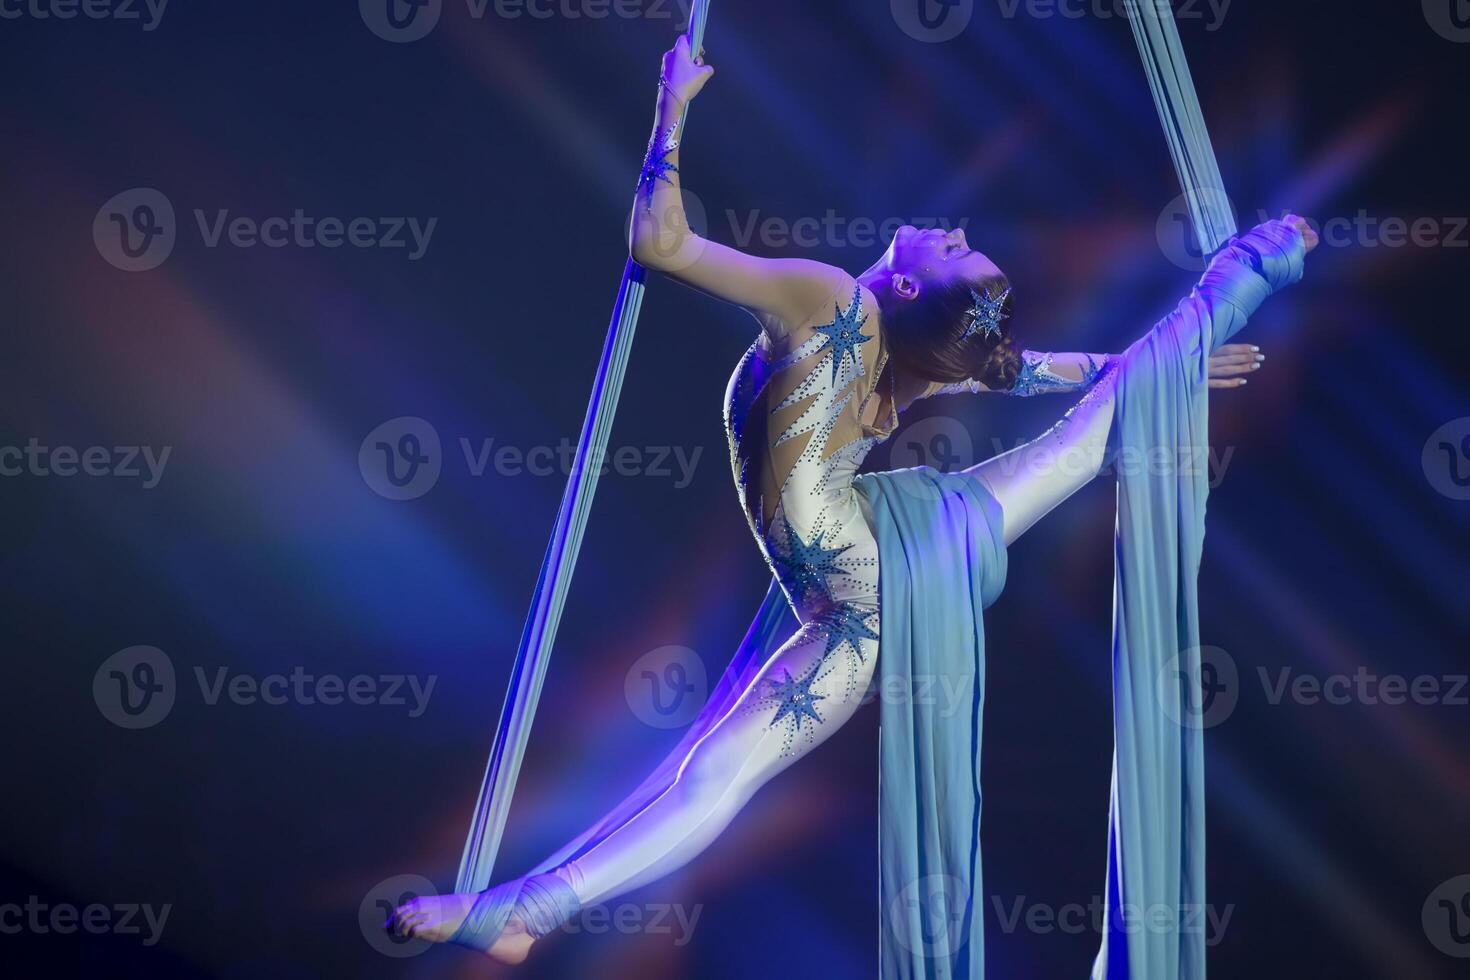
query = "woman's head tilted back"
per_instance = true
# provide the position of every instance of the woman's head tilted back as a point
(927, 294)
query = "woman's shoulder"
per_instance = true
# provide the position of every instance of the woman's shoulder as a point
(819, 292)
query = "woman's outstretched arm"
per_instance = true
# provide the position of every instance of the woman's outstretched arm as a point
(1045, 372)
(660, 237)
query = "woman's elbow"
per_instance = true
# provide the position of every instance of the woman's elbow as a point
(661, 252)
(643, 251)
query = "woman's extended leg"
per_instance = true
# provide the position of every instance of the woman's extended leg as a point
(1030, 480)
(803, 694)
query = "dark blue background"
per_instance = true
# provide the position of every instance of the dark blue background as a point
(263, 549)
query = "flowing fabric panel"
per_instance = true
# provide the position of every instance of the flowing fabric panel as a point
(942, 561)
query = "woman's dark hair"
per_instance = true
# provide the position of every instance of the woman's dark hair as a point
(926, 334)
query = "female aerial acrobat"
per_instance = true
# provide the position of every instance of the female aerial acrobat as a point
(838, 359)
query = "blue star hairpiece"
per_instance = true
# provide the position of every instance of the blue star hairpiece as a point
(986, 315)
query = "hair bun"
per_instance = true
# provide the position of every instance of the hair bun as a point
(1000, 366)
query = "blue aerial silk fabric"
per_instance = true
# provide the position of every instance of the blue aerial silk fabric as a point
(1156, 836)
(942, 561)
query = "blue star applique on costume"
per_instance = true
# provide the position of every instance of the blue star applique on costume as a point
(847, 624)
(1037, 378)
(804, 567)
(844, 333)
(795, 699)
(655, 167)
(986, 313)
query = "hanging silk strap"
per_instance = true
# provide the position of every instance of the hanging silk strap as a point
(1156, 826)
(942, 561)
(1168, 74)
(532, 658)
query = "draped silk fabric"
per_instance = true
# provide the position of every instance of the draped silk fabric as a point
(941, 562)
(1156, 836)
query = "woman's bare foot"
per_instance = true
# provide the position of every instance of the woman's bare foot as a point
(434, 918)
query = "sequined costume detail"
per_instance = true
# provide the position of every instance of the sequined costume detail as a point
(796, 442)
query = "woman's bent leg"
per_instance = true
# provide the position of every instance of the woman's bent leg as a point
(803, 694)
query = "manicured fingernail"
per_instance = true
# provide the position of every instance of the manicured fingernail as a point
(1253, 347)
(1260, 357)
(1256, 366)
(1243, 381)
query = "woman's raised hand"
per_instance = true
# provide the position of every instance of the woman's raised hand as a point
(684, 75)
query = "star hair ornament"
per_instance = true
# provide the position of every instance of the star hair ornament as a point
(986, 315)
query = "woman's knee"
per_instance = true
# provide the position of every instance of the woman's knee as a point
(715, 767)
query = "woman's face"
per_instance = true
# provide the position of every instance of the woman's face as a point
(935, 255)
